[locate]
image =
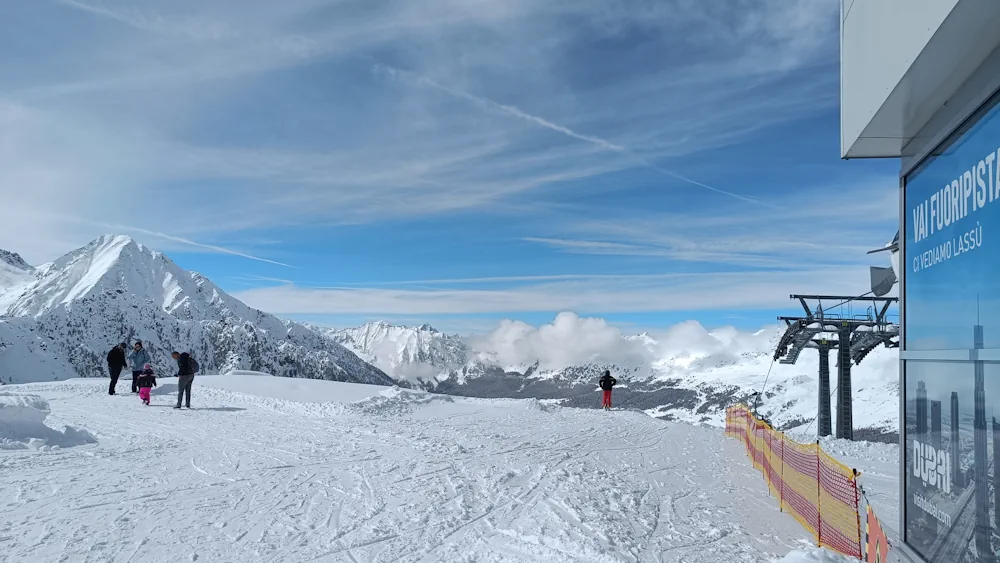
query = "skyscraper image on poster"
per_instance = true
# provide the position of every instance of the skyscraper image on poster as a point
(951, 481)
(950, 242)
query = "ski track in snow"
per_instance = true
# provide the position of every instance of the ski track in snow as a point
(251, 478)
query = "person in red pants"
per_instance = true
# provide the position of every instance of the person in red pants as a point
(607, 383)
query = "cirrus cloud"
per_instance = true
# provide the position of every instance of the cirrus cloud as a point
(269, 110)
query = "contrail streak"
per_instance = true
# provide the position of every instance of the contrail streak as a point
(190, 242)
(489, 104)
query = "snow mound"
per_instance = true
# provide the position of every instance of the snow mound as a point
(247, 372)
(815, 555)
(539, 405)
(22, 426)
(396, 401)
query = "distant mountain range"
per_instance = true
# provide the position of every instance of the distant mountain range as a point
(692, 375)
(58, 320)
(72, 311)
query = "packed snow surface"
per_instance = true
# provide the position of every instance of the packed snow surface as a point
(816, 555)
(257, 472)
(289, 389)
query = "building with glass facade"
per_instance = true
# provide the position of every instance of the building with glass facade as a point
(920, 82)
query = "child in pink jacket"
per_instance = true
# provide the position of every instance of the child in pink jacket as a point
(147, 380)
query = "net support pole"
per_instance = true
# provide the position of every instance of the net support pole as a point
(756, 445)
(781, 489)
(819, 502)
(766, 454)
(760, 449)
(857, 512)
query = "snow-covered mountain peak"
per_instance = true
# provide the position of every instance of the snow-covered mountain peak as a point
(115, 289)
(410, 353)
(110, 263)
(119, 269)
(99, 253)
(643, 338)
(13, 261)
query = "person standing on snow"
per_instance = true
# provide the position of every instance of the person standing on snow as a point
(147, 380)
(186, 367)
(138, 357)
(607, 383)
(116, 363)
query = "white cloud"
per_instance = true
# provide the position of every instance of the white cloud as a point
(146, 109)
(826, 226)
(645, 293)
(573, 340)
(192, 28)
(542, 122)
(567, 340)
(490, 105)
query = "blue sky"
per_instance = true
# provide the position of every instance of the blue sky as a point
(447, 161)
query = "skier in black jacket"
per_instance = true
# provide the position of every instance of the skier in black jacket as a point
(607, 383)
(116, 363)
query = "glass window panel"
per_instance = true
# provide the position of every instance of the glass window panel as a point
(952, 240)
(950, 459)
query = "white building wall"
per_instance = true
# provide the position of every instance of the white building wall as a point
(880, 40)
(903, 62)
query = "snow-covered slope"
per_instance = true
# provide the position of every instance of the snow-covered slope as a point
(26, 355)
(377, 474)
(410, 353)
(15, 276)
(688, 373)
(117, 290)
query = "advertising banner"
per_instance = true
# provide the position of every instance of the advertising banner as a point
(876, 544)
(951, 257)
(952, 240)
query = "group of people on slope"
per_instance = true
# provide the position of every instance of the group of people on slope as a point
(143, 377)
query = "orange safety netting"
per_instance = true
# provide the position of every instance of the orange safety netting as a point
(820, 492)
